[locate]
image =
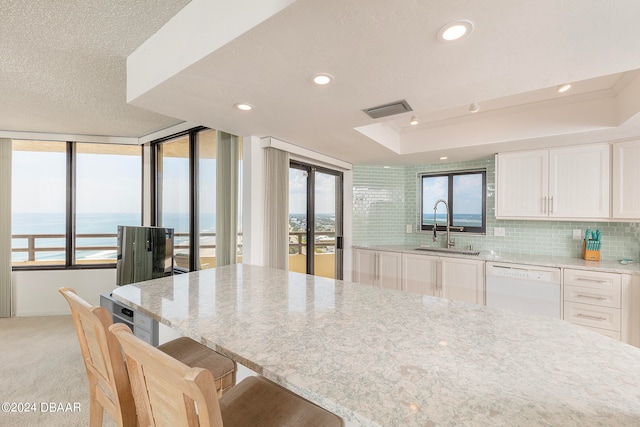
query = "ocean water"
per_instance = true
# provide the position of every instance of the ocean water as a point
(100, 223)
(459, 220)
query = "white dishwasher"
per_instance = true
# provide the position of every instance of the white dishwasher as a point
(524, 288)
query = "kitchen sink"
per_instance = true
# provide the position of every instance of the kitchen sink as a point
(449, 250)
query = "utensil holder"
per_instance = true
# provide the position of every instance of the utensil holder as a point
(590, 255)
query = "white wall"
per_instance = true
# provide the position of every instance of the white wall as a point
(35, 293)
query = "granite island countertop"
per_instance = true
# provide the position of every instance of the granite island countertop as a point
(540, 260)
(388, 358)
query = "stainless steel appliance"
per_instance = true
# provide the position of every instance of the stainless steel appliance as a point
(144, 253)
(524, 288)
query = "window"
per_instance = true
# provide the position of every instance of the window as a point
(68, 199)
(108, 194)
(38, 203)
(464, 193)
(189, 198)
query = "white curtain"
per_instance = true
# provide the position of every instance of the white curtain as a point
(5, 227)
(276, 233)
(226, 198)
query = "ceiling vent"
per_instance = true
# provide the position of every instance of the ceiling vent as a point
(386, 110)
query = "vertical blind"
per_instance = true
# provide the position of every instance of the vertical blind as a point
(276, 233)
(226, 198)
(5, 227)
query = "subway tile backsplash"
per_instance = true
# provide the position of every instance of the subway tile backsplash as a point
(386, 201)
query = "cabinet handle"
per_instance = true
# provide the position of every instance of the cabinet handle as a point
(376, 276)
(596, 318)
(587, 279)
(544, 205)
(438, 275)
(591, 297)
(551, 205)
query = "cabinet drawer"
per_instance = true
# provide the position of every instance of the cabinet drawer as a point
(592, 279)
(611, 334)
(591, 315)
(142, 321)
(605, 297)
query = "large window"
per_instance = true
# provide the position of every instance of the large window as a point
(68, 199)
(38, 203)
(108, 194)
(189, 192)
(465, 196)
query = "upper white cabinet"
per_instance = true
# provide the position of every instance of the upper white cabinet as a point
(560, 183)
(626, 178)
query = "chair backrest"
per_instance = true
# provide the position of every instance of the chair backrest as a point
(166, 391)
(106, 369)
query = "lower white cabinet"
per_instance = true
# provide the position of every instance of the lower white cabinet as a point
(604, 302)
(377, 268)
(457, 279)
(420, 274)
(462, 280)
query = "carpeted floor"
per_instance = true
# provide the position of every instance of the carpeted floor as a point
(41, 370)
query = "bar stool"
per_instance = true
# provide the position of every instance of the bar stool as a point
(109, 386)
(170, 393)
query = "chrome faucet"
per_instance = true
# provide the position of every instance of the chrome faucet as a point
(435, 235)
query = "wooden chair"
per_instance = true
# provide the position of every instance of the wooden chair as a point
(169, 393)
(109, 387)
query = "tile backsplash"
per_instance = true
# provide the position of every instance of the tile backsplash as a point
(386, 201)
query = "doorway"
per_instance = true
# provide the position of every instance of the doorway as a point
(315, 220)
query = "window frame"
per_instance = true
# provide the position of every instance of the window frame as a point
(450, 190)
(70, 215)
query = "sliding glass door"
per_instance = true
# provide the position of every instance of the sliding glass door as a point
(315, 220)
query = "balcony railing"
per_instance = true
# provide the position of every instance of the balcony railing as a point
(37, 243)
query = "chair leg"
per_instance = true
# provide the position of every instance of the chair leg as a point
(96, 411)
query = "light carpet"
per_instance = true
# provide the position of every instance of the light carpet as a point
(41, 370)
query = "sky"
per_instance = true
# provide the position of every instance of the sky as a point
(325, 196)
(105, 183)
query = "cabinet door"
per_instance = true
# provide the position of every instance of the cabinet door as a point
(419, 274)
(364, 266)
(626, 177)
(579, 182)
(462, 280)
(522, 184)
(389, 271)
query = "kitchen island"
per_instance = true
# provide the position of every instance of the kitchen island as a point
(380, 357)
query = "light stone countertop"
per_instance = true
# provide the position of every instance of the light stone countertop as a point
(540, 260)
(379, 357)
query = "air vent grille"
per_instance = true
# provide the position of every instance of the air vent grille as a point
(386, 110)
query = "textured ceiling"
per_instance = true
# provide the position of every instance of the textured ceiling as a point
(63, 65)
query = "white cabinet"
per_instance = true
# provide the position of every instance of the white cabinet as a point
(522, 184)
(462, 280)
(561, 183)
(457, 279)
(626, 178)
(420, 274)
(594, 299)
(378, 268)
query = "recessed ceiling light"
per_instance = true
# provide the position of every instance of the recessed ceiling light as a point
(414, 121)
(386, 167)
(322, 79)
(454, 31)
(474, 107)
(443, 158)
(563, 88)
(244, 106)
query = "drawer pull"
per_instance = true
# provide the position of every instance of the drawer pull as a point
(587, 279)
(596, 318)
(599, 298)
